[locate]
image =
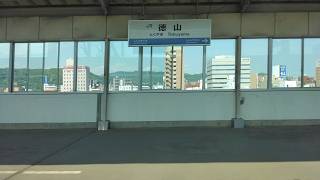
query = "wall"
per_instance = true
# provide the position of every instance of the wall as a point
(213, 106)
(289, 24)
(281, 105)
(62, 108)
(171, 106)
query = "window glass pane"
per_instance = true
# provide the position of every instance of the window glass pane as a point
(158, 67)
(146, 68)
(90, 66)
(286, 63)
(4, 66)
(51, 70)
(254, 63)
(192, 67)
(311, 76)
(167, 68)
(123, 68)
(66, 61)
(20, 67)
(173, 75)
(220, 67)
(35, 67)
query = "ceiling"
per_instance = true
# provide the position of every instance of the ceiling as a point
(149, 7)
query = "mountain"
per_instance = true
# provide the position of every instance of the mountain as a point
(35, 77)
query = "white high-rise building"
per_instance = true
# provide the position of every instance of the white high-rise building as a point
(221, 73)
(173, 73)
(67, 77)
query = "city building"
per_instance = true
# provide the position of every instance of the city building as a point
(122, 84)
(195, 85)
(221, 73)
(67, 77)
(173, 77)
(280, 78)
(49, 87)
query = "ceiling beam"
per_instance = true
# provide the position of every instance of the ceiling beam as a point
(244, 5)
(150, 9)
(104, 5)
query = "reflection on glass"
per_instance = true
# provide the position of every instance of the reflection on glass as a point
(286, 63)
(220, 67)
(311, 77)
(90, 68)
(192, 67)
(66, 60)
(20, 67)
(35, 66)
(51, 70)
(4, 66)
(123, 67)
(254, 63)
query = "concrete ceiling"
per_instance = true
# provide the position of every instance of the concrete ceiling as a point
(149, 7)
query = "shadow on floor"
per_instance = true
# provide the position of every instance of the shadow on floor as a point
(163, 145)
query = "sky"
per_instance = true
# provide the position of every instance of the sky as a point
(89, 53)
(123, 58)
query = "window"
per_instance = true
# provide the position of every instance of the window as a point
(220, 67)
(159, 75)
(35, 67)
(254, 63)
(311, 77)
(124, 75)
(147, 68)
(192, 67)
(4, 66)
(66, 61)
(51, 69)
(166, 66)
(286, 63)
(20, 67)
(90, 66)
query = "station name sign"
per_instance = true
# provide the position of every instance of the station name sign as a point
(169, 32)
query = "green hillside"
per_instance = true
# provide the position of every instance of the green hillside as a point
(35, 77)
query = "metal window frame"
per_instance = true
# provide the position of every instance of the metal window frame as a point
(43, 64)
(11, 68)
(75, 66)
(268, 48)
(28, 68)
(58, 66)
(140, 68)
(204, 67)
(270, 54)
(302, 64)
(237, 78)
(107, 48)
(301, 61)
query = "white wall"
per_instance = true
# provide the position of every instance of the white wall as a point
(186, 106)
(155, 106)
(63, 108)
(206, 106)
(281, 105)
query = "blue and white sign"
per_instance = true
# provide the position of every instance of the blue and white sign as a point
(283, 71)
(169, 32)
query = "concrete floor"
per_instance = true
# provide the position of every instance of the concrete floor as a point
(291, 153)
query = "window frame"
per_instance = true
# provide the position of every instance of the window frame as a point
(106, 67)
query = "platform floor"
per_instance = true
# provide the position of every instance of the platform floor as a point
(286, 153)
